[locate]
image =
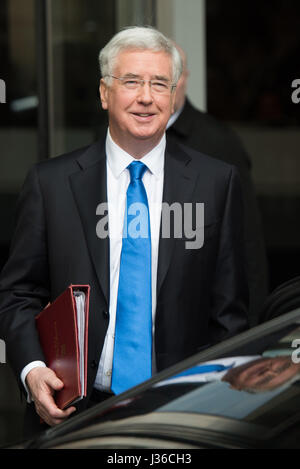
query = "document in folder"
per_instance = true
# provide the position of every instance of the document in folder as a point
(63, 332)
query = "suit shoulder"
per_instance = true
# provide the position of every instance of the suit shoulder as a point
(68, 162)
(212, 136)
(209, 123)
(200, 160)
(64, 159)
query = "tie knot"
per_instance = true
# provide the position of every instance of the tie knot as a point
(137, 170)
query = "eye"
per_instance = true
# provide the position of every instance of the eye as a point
(159, 86)
(130, 83)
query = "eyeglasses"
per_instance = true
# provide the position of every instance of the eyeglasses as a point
(134, 84)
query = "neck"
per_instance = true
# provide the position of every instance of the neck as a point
(137, 148)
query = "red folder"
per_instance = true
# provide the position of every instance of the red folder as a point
(64, 341)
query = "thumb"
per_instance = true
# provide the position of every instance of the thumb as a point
(55, 383)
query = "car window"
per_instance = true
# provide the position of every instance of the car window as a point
(248, 386)
(262, 389)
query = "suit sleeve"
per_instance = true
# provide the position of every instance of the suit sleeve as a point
(230, 296)
(24, 279)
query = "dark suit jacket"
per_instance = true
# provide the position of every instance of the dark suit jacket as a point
(204, 133)
(201, 294)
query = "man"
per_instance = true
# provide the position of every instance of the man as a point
(188, 298)
(204, 133)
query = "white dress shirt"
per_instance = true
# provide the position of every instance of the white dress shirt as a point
(118, 179)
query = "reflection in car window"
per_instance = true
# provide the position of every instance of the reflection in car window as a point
(250, 400)
(248, 388)
(217, 398)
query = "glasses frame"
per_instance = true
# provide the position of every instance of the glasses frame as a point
(142, 82)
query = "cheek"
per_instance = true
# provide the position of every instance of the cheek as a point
(165, 107)
(123, 103)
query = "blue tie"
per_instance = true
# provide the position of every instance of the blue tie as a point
(203, 369)
(132, 361)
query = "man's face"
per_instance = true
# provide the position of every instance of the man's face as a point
(138, 118)
(262, 374)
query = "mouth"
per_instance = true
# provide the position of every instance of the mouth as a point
(143, 116)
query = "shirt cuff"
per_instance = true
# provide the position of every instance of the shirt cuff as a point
(25, 372)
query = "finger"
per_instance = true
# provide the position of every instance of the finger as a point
(70, 410)
(58, 417)
(54, 382)
(42, 380)
(48, 410)
(52, 415)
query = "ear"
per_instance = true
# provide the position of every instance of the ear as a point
(173, 97)
(103, 90)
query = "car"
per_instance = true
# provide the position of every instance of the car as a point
(243, 393)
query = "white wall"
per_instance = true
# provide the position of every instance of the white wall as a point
(184, 21)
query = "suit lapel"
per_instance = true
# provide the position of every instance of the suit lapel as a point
(89, 188)
(179, 181)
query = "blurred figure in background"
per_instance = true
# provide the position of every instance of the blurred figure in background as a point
(196, 129)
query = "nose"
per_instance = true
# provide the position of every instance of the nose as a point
(145, 94)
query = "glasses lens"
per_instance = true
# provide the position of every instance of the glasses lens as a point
(131, 84)
(160, 87)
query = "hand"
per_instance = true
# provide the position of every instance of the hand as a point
(42, 383)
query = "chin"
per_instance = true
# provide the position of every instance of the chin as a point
(148, 135)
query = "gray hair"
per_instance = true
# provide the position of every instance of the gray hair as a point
(140, 38)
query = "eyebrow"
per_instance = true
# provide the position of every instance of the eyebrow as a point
(131, 75)
(154, 77)
(161, 78)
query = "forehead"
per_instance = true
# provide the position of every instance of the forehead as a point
(143, 62)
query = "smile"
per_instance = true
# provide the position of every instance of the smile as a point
(143, 115)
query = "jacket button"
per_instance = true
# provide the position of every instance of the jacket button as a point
(93, 364)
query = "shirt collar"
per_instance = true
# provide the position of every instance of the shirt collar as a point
(118, 159)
